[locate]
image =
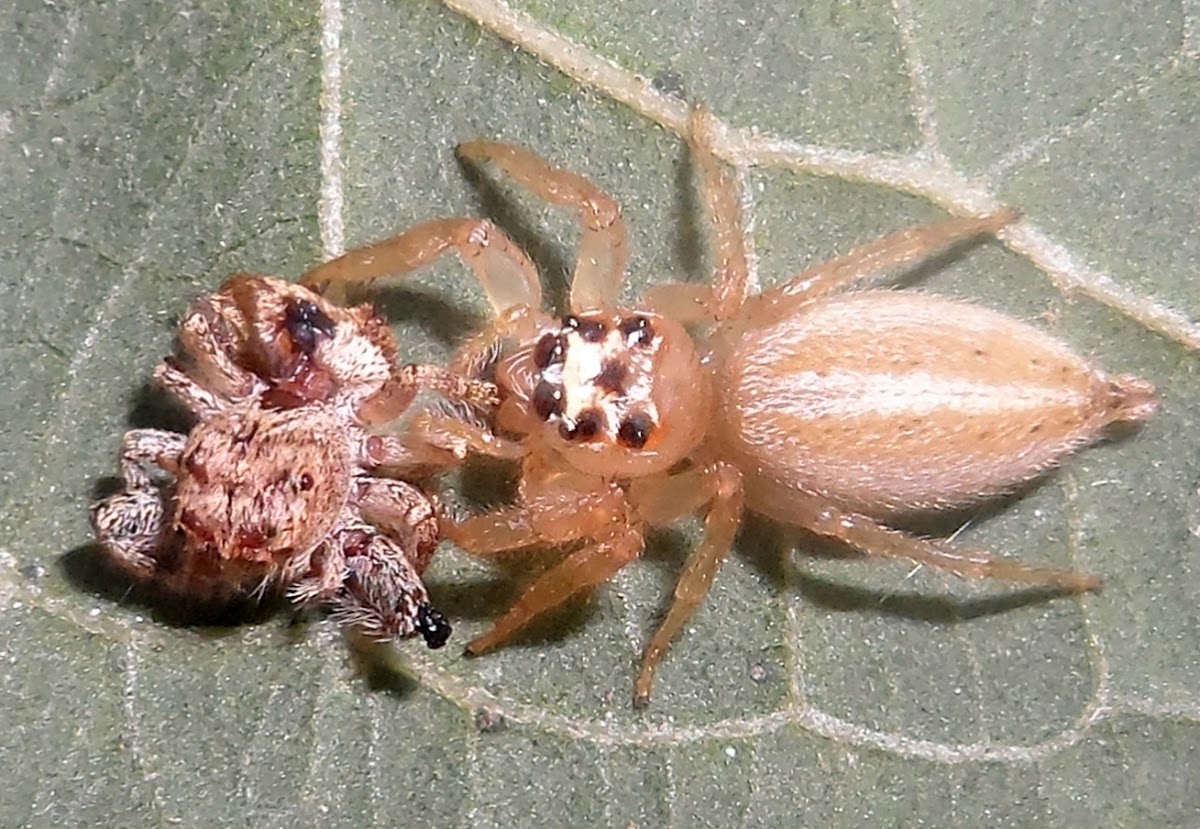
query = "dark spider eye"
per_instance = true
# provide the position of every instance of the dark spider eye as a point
(306, 482)
(304, 321)
(637, 330)
(549, 350)
(547, 400)
(635, 430)
(592, 331)
(587, 426)
(433, 626)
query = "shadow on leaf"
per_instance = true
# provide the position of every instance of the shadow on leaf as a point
(440, 317)
(88, 570)
(831, 595)
(381, 666)
(489, 599)
(152, 408)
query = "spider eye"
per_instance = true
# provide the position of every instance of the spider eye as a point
(547, 400)
(304, 321)
(592, 331)
(637, 330)
(433, 626)
(587, 425)
(635, 430)
(550, 349)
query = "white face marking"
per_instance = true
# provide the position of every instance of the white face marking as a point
(580, 372)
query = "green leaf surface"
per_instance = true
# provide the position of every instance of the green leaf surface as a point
(149, 150)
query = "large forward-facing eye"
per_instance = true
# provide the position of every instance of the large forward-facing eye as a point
(306, 323)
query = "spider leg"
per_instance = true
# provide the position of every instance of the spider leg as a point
(592, 565)
(463, 436)
(719, 188)
(403, 512)
(604, 247)
(368, 579)
(434, 441)
(324, 577)
(132, 526)
(554, 516)
(722, 484)
(689, 302)
(876, 540)
(398, 394)
(872, 262)
(201, 402)
(144, 450)
(204, 336)
(505, 272)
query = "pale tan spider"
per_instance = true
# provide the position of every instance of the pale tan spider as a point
(277, 485)
(845, 414)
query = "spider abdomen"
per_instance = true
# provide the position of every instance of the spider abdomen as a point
(888, 402)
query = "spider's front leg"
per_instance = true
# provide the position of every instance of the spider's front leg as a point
(403, 512)
(502, 268)
(399, 392)
(604, 247)
(436, 440)
(205, 337)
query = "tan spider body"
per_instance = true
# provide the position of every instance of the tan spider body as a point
(841, 413)
(276, 486)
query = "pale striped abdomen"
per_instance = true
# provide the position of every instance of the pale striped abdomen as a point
(890, 402)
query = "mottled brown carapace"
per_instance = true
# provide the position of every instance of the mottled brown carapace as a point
(841, 411)
(279, 484)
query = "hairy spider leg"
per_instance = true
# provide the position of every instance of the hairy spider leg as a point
(403, 512)
(398, 394)
(145, 448)
(198, 400)
(133, 523)
(201, 339)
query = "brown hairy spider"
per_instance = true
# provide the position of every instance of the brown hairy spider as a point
(275, 486)
(844, 413)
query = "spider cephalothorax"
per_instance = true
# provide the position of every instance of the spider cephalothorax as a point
(839, 412)
(597, 385)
